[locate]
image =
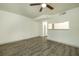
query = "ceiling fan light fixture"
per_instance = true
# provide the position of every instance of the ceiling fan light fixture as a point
(43, 5)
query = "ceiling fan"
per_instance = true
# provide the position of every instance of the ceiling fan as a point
(43, 5)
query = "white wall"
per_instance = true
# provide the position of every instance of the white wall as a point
(70, 36)
(15, 27)
(42, 27)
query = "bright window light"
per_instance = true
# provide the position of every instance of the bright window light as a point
(50, 26)
(64, 25)
(44, 24)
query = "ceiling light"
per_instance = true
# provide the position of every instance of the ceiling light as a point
(43, 5)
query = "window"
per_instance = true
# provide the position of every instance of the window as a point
(50, 26)
(64, 25)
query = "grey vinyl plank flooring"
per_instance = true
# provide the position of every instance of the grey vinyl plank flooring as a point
(37, 46)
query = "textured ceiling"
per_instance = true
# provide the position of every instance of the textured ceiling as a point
(33, 11)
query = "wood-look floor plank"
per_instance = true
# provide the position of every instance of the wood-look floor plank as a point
(37, 47)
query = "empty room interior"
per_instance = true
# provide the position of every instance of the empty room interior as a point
(39, 29)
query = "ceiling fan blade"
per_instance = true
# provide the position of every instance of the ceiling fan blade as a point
(41, 9)
(50, 7)
(35, 4)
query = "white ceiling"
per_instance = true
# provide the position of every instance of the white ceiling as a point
(33, 11)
